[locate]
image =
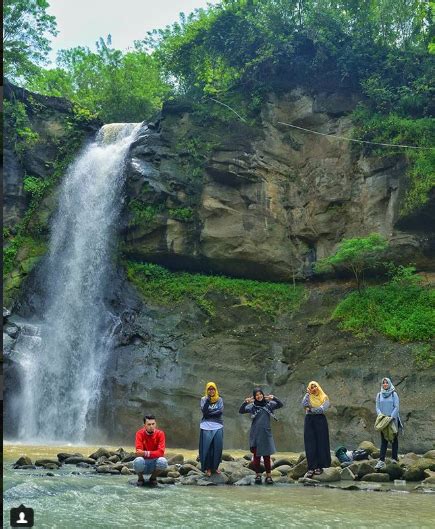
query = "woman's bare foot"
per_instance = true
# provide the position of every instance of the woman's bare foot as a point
(208, 472)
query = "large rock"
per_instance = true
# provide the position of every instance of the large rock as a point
(328, 475)
(430, 454)
(413, 474)
(369, 446)
(394, 471)
(74, 460)
(23, 460)
(101, 452)
(347, 474)
(377, 477)
(299, 470)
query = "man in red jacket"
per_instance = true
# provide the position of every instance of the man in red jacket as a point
(150, 448)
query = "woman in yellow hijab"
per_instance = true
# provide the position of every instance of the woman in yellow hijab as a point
(316, 431)
(211, 438)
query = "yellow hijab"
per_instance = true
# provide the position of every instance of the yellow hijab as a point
(216, 396)
(317, 400)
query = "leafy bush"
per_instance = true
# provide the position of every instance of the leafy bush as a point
(403, 312)
(19, 128)
(167, 288)
(424, 356)
(35, 186)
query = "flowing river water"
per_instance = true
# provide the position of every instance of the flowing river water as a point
(75, 498)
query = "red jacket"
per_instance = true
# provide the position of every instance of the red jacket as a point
(154, 443)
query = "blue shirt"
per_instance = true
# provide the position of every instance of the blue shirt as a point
(388, 405)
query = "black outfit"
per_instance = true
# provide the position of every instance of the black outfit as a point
(394, 446)
(316, 439)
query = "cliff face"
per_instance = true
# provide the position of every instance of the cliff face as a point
(266, 203)
(262, 203)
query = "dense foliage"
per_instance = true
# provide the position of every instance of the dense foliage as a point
(356, 255)
(116, 86)
(26, 30)
(403, 309)
(168, 288)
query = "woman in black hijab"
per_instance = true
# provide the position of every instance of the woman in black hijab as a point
(261, 443)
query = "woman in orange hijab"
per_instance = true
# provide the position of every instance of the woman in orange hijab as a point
(316, 432)
(211, 437)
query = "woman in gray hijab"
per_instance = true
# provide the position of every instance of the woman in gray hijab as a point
(261, 443)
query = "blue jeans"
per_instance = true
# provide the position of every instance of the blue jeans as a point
(148, 466)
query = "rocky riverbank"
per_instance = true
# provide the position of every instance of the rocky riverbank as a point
(418, 471)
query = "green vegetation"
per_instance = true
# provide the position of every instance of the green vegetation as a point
(356, 255)
(183, 214)
(424, 356)
(25, 41)
(142, 213)
(19, 130)
(115, 86)
(163, 287)
(403, 309)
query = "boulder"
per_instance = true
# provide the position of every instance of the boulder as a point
(328, 475)
(100, 453)
(23, 460)
(246, 481)
(430, 480)
(114, 459)
(377, 477)
(429, 454)
(283, 461)
(174, 474)
(299, 470)
(74, 460)
(394, 470)
(217, 479)
(424, 463)
(363, 469)
(369, 446)
(413, 474)
(276, 474)
(65, 455)
(43, 462)
(84, 465)
(129, 456)
(126, 471)
(347, 474)
(185, 469)
(308, 482)
(227, 457)
(178, 458)
(284, 469)
(107, 469)
(191, 462)
(166, 481)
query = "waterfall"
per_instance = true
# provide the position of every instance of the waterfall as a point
(63, 368)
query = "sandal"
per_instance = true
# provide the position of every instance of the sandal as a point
(309, 474)
(269, 481)
(318, 471)
(257, 480)
(152, 483)
(140, 483)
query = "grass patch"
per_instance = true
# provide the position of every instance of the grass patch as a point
(168, 288)
(424, 356)
(400, 312)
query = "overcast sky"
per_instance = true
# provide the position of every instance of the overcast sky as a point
(83, 22)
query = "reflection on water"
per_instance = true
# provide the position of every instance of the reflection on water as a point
(88, 500)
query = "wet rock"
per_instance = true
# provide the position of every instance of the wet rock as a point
(413, 474)
(246, 481)
(107, 469)
(191, 480)
(284, 469)
(50, 474)
(102, 460)
(84, 465)
(363, 469)
(25, 467)
(347, 474)
(178, 458)
(308, 481)
(101, 452)
(394, 470)
(430, 480)
(23, 460)
(329, 474)
(126, 471)
(185, 469)
(429, 454)
(217, 479)
(282, 462)
(205, 483)
(74, 460)
(114, 459)
(235, 470)
(377, 477)
(43, 462)
(227, 457)
(6, 314)
(12, 331)
(65, 455)
(299, 470)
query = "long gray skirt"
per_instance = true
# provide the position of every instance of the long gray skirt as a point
(211, 443)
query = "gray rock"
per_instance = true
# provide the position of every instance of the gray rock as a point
(430, 454)
(107, 469)
(43, 462)
(328, 475)
(126, 471)
(282, 462)
(74, 460)
(309, 481)
(25, 467)
(114, 459)
(377, 477)
(185, 469)
(394, 470)
(299, 470)
(363, 469)
(179, 458)
(65, 455)
(284, 469)
(227, 457)
(101, 452)
(23, 460)
(166, 481)
(217, 479)
(413, 474)
(246, 481)
(347, 474)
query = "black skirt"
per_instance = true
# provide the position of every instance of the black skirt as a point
(316, 439)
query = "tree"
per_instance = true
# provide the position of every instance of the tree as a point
(26, 26)
(115, 86)
(357, 255)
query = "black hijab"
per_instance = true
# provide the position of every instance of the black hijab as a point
(260, 403)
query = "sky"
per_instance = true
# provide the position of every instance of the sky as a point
(83, 22)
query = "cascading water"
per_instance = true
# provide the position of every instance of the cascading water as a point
(62, 364)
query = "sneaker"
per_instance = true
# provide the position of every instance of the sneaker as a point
(394, 461)
(380, 465)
